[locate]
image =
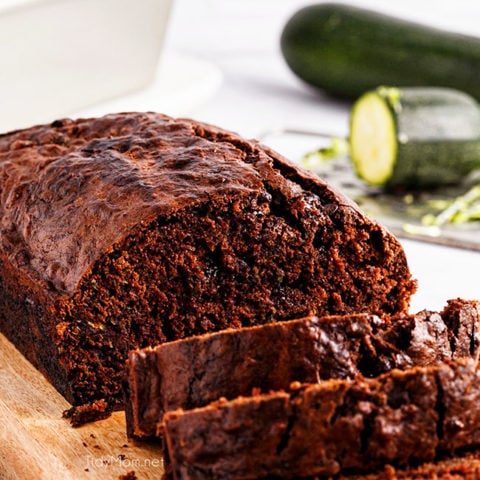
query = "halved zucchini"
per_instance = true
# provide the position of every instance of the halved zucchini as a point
(414, 137)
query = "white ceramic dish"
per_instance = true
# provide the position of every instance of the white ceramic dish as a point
(59, 56)
(182, 84)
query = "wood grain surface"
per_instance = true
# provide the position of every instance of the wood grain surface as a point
(37, 443)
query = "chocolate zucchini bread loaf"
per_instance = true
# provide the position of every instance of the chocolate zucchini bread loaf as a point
(134, 229)
(198, 370)
(337, 426)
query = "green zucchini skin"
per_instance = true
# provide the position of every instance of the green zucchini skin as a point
(433, 113)
(430, 164)
(347, 51)
(436, 135)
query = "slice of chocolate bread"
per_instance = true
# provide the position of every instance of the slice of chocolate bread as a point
(133, 229)
(196, 371)
(399, 418)
(193, 372)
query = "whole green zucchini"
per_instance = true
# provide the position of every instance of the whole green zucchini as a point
(347, 51)
(414, 137)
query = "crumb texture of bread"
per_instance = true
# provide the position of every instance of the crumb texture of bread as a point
(134, 229)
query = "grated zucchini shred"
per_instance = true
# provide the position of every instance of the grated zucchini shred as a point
(463, 209)
(339, 147)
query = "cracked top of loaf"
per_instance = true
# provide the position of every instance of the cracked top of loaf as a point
(72, 189)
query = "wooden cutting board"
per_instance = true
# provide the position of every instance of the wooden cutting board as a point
(36, 442)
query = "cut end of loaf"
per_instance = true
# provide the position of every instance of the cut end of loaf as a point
(225, 265)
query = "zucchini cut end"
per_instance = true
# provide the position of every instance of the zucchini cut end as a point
(373, 139)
